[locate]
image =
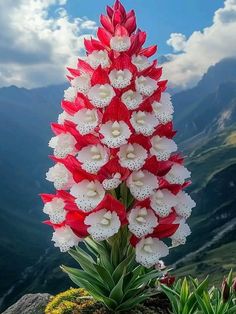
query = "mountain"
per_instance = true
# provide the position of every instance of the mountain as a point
(206, 120)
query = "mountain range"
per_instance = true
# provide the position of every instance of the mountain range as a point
(205, 117)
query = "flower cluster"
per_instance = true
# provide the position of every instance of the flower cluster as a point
(116, 134)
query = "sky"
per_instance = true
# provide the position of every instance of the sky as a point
(39, 38)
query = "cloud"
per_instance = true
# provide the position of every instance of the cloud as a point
(202, 49)
(34, 46)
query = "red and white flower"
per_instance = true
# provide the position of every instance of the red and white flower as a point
(115, 137)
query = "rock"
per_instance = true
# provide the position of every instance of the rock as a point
(29, 304)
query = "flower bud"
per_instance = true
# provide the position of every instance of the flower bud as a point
(167, 280)
(225, 290)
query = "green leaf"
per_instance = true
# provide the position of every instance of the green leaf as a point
(117, 292)
(105, 276)
(82, 275)
(85, 261)
(120, 268)
(184, 292)
(129, 304)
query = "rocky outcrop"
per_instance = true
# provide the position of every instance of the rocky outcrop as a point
(29, 304)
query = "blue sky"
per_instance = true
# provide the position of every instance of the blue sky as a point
(35, 49)
(159, 18)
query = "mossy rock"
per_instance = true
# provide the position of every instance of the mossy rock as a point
(78, 301)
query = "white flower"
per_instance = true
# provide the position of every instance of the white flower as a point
(163, 110)
(103, 224)
(120, 78)
(120, 43)
(115, 133)
(81, 83)
(63, 145)
(98, 57)
(88, 194)
(64, 238)
(142, 184)
(141, 62)
(132, 156)
(70, 94)
(113, 183)
(56, 210)
(64, 116)
(143, 122)
(142, 221)
(179, 237)
(149, 251)
(101, 95)
(132, 99)
(177, 174)
(185, 204)
(162, 201)
(145, 85)
(87, 120)
(93, 157)
(162, 147)
(60, 176)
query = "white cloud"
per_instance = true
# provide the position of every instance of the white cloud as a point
(177, 41)
(202, 49)
(36, 47)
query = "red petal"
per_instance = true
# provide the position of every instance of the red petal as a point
(141, 140)
(100, 76)
(165, 130)
(57, 128)
(46, 197)
(116, 111)
(123, 61)
(162, 85)
(84, 66)
(169, 219)
(164, 231)
(97, 45)
(75, 220)
(74, 72)
(134, 240)
(130, 24)
(158, 168)
(149, 51)
(106, 23)
(121, 31)
(117, 18)
(104, 36)
(69, 107)
(88, 45)
(110, 12)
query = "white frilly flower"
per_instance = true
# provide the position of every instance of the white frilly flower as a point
(142, 221)
(70, 94)
(185, 204)
(132, 99)
(88, 194)
(115, 133)
(132, 156)
(143, 122)
(60, 176)
(98, 57)
(162, 201)
(64, 238)
(145, 85)
(56, 210)
(93, 157)
(81, 83)
(101, 95)
(120, 43)
(162, 147)
(64, 116)
(142, 184)
(63, 144)
(112, 183)
(177, 174)
(141, 62)
(103, 224)
(87, 120)
(183, 231)
(163, 109)
(120, 78)
(149, 251)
